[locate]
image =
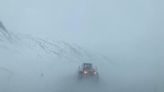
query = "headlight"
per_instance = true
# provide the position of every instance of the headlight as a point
(85, 72)
(95, 73)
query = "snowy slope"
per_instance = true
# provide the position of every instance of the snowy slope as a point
(30, 64)
(28, 61)
(60, 49)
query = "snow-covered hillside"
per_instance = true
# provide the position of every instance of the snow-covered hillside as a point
(71, 52)
(29, 64)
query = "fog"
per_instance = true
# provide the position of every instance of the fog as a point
(43, 42)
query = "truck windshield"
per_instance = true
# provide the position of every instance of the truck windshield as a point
(88, 66)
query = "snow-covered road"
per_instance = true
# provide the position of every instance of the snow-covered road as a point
(29, 64)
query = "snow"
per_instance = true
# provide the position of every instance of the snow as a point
(30, 64)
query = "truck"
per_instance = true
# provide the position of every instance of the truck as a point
(88, 72)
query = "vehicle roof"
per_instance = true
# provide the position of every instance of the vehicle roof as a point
(87, 64)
